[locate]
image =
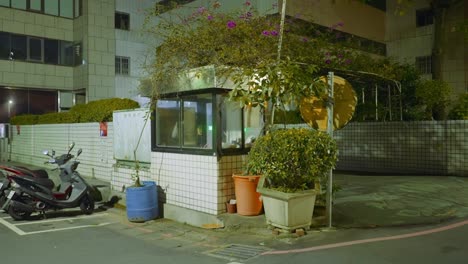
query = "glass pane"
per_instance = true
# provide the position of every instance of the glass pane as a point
(117, 65)
(5, 3)
(125, 66)
(77, 8)
(66, 53)
(35, 5)
(231, 128)
(51, 7)
(18, 47)
(167, 123)
(253, 124)
(4, 45)
(51, 51)
(66, 8)
(21, 4)
(35, 49)
(198, 121)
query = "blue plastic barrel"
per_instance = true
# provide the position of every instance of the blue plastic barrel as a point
(142, 202)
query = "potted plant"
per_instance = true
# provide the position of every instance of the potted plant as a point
(141, 198)
(291, 162)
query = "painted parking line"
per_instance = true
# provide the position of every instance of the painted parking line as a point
(16, 227)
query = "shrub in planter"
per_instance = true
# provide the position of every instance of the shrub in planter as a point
(292, 159)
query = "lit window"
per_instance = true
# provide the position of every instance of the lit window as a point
(122, 21)
(122, 65)
(424, 64)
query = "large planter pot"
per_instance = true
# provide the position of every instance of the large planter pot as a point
(247, 198)
(142, 202)
(287, 211)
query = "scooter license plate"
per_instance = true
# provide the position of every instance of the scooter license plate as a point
(10, 194)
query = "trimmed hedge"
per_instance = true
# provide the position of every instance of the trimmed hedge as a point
(95, 111)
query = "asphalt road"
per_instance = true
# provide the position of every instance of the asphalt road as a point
(105, 237)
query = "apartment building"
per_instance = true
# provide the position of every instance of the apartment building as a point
(58, 53)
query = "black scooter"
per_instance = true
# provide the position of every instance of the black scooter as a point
(29, 194)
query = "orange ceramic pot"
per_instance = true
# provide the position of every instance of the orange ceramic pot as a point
(247, 198)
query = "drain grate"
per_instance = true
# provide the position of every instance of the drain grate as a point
(237, 252)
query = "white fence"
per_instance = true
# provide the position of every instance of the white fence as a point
(28, 143)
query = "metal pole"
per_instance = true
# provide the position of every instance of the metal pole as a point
(280, 40)
(376, 104)
(390, 100)
(330, 132)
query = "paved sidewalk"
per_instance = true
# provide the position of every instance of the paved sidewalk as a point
(365, 202)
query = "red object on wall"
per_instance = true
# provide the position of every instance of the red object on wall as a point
(103, 129)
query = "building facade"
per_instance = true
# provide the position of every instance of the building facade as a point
(58, 53)
(415, 36)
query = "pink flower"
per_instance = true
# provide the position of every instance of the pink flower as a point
(247, 3)
(328, 61)
(210, 17)
(274, 33)
(266, 33)
(231, 24)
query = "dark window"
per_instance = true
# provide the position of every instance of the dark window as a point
(51, 48)
(18, 47)
(78, 8)
(66, 53)
(424, 64)
(26, 101)
(35, 49)
(424, 17)
(122, 21)
(122, 65)
(4, 45)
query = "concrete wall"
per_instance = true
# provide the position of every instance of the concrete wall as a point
(426, 147)
(96, 159)
(370, 25)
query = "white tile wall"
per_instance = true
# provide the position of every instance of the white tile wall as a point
(96, 159)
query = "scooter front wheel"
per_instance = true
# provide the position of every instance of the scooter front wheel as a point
(87, 204)
(17, 214)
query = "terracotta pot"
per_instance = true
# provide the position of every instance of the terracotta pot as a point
(247, 198)
(231, 208)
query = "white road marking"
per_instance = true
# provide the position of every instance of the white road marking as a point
(61, 219)
(68, 228)
(12, 227)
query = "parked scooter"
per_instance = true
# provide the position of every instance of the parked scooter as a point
(31, 194)
(5, 182)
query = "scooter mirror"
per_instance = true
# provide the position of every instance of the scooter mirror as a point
(71, 146)
(79, 152)
(45, 152)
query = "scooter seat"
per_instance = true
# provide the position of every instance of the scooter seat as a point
(46, 182)
(40, 173)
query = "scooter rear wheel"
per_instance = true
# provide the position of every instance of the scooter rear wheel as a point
(18, 214)
(87, 204)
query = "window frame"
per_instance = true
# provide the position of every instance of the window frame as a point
(424, 17)
(28, 48)
(120, 14)
(121, 63)
(217, 96)
(77, 8)
(424, 61)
